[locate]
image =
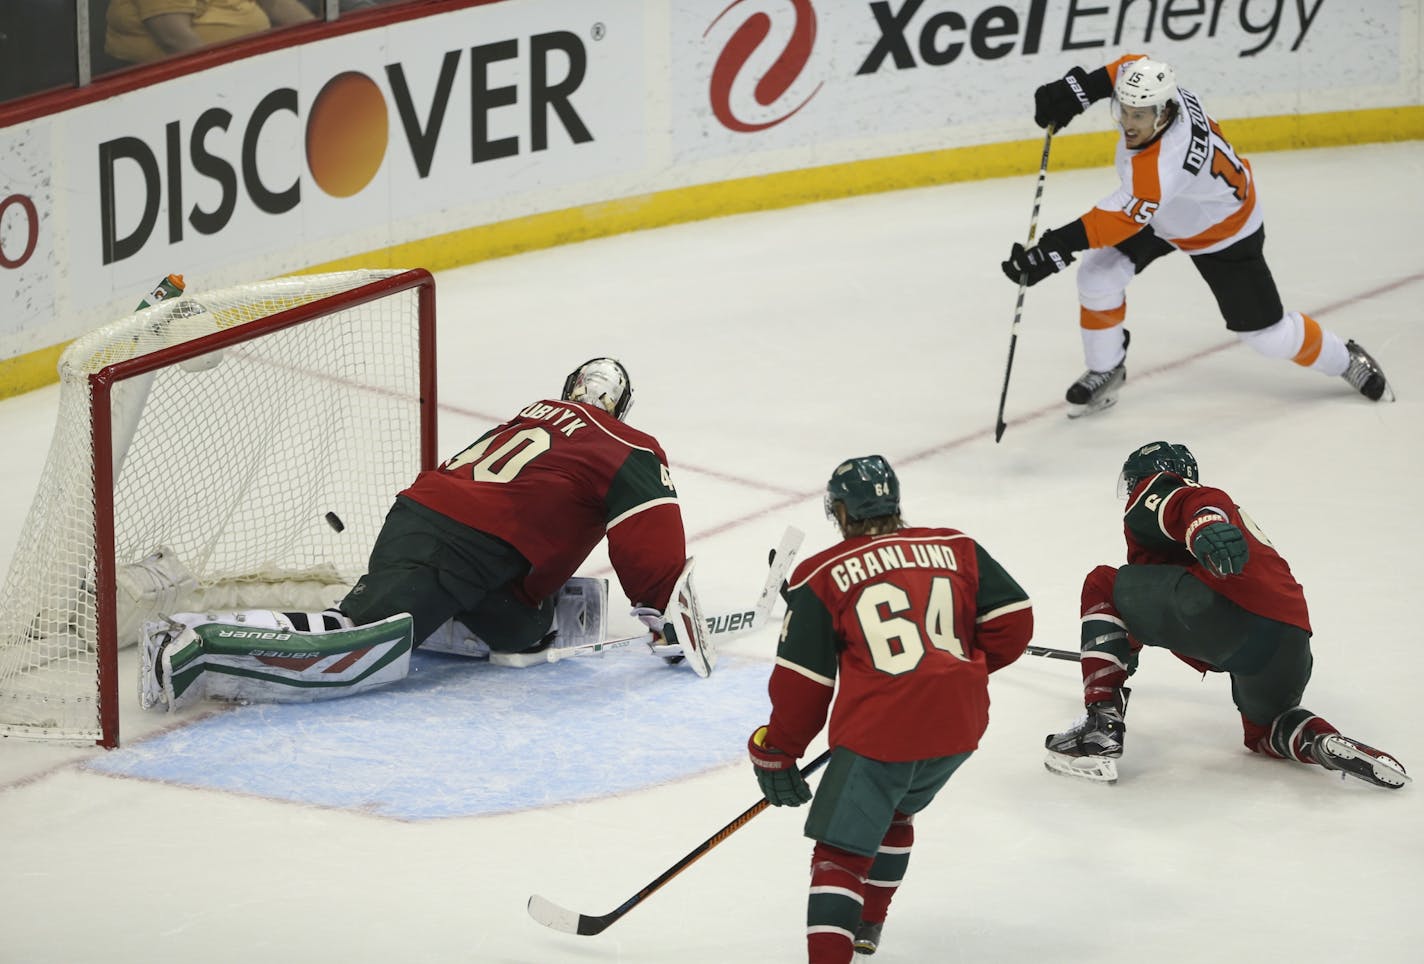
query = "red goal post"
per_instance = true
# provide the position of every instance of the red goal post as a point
(237, 448)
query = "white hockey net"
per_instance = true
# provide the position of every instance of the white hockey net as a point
(258, 471)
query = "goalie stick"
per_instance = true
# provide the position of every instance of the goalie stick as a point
(718, 625)
(558, 918)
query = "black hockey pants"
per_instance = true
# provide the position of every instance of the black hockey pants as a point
(434, 568)
(1269, 661)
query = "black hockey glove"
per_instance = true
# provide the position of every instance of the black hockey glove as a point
(1052, 254)
(1218, 545)
(1059, 102)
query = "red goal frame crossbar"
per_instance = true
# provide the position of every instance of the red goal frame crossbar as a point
(101, 385)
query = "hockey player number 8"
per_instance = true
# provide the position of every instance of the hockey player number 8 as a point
(896, 645)
(505, 461)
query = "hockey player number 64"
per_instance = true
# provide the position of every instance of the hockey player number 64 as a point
(896, 644)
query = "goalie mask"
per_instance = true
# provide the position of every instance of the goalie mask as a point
(602, 383)
(1146, 84)
(866, 486)
(1152, 458)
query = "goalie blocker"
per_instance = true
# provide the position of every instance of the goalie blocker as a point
(684, 631)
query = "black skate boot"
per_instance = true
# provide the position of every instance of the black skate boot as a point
(1095, 391)
(867, 938)
(1091, 747)
(1333, 751)
(1365, 376)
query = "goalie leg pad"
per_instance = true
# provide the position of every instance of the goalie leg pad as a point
(456, 638)
(262, 659)
(163, 639)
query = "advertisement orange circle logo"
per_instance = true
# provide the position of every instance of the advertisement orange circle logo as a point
(347, 134)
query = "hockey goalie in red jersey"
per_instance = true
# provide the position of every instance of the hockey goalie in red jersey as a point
(475, 557)
(1203, 581)
(912, 621)
(1183, 188)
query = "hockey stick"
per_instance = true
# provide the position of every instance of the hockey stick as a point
(999, 425)
(1052, 653)
(552, 915)
(724, 624)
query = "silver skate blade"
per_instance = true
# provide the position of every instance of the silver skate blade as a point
(1343, 753)
(1095, 769)
(1092, 408)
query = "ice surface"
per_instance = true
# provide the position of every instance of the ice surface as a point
(765, 349)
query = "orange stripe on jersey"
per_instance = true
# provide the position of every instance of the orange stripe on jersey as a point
(1227, 226)
(1107, 228)
(1310, 345)
(1099, 320)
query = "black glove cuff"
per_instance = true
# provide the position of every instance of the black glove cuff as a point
(1071, 237)
(1096, 84)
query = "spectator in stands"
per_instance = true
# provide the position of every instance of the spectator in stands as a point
(142, 31)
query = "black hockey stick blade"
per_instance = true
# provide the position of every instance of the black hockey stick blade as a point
(553, 916)
(1052, 653)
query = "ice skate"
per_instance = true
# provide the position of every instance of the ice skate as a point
(1334, 751)
(1091, 747)
(1365, 376)
(1095, 391)
(867, 938)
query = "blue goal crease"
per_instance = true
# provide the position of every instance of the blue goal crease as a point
(462, 738)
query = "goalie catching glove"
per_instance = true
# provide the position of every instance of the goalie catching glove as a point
(781, 782)
(1218, 545)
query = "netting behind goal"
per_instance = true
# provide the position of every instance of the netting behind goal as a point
(227, 449)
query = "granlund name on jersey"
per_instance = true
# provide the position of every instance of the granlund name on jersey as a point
(912, 623)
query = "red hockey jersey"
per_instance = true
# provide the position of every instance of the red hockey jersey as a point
(552, 481)
(1155, 525)
(912, 623)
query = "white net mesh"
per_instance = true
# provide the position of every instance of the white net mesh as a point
(229, 464)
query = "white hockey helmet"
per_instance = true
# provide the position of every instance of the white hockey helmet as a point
(603, 383)
(1146, 83)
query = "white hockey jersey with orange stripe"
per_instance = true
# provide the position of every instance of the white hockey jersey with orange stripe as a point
(1189, 184)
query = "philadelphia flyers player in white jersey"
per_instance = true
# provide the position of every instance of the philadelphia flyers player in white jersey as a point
(1183, 188)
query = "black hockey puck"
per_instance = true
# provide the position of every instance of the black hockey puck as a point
(334, 520)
